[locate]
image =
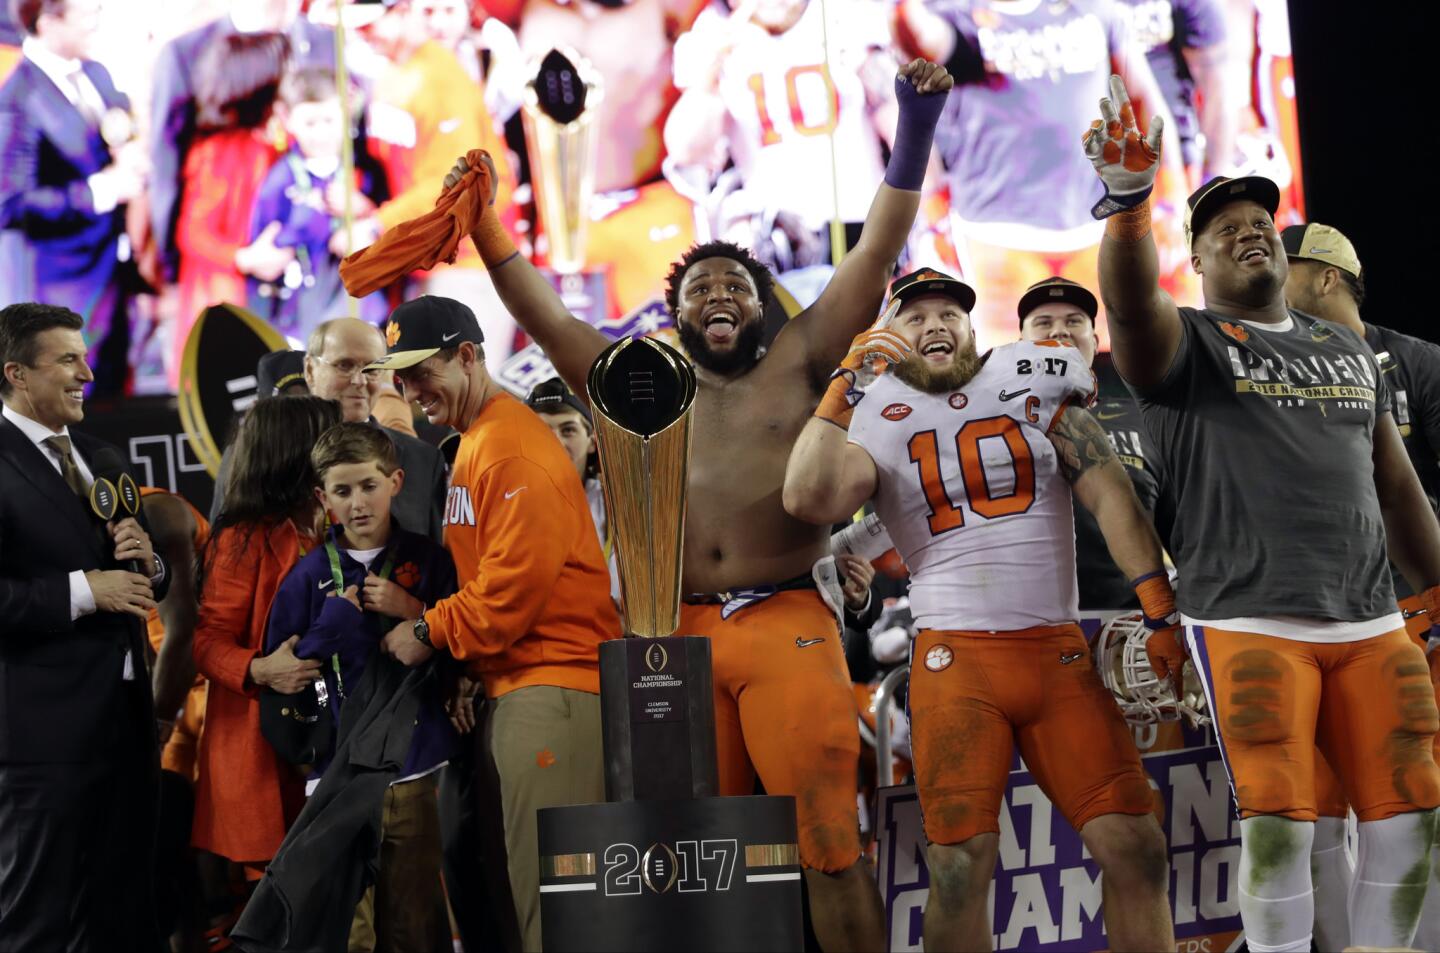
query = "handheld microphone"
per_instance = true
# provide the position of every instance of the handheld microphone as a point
(129, 495)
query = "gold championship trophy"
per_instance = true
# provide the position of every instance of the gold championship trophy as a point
(559, 113)
(665, 865)
(655, 691)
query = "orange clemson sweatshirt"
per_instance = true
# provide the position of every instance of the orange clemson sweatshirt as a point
(534, 601)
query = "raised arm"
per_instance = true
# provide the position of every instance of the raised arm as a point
(851, 301)
(571, 344)
(1145, 328)
(827, 478)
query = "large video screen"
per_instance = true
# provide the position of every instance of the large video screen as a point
(208, 153)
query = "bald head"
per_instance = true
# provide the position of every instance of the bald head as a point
(335, 361)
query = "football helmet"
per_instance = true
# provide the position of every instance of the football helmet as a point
(1144, 697)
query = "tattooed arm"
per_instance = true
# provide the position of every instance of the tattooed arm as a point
(1100, 484)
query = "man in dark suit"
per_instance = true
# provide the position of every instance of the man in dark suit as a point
(78, 749)
(172, 118)
(338, 352)
(62, 186)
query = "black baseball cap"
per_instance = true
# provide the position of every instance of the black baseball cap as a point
(425, 326)
(551, 395)
(278, 370)
(1058, 289)
(928, 281)
(1220, 191)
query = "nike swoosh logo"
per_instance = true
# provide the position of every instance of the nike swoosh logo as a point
(801, 643)
(1104, 416)
(448, 126)
(449, 337)
(1005, 396)
(513, 492)
(327, 583)
(1067, 659)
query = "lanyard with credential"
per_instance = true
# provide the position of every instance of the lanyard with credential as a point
(334, 554)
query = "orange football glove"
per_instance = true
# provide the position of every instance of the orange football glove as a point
(1157, 602)
(870, 353)
(1125, 160)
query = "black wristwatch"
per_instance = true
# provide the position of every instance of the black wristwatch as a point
(422, 633)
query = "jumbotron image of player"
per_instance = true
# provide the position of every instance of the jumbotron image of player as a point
(783, 703)
(1020, 196)
(971, 462)
(762, 87)
(1291, 482)
(1327, 281)
(1057, 309)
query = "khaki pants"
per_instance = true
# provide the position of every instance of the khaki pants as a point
(404, 910)
(547, 749)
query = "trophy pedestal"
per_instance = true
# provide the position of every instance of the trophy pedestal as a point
(697, 874)
(665, 865)
(658, 714)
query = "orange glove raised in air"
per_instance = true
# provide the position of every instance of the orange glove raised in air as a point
(1125, 160)
(870, 353)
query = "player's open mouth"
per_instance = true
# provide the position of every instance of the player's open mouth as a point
(429, 407)
(721, 326)
(76, 394)
(1254, 254)
(937, 352)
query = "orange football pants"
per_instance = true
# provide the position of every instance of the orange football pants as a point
(784, 709)
(1370, 706)
(975, 695)
(1329, 798)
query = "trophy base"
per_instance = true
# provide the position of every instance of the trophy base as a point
(718, 873)
(658, 715)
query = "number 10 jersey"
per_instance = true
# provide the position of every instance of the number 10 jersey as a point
(971, 490)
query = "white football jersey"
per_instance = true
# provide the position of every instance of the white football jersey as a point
(971, 490)
(783, 105)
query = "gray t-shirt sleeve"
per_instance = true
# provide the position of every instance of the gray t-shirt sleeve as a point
(1179, 364)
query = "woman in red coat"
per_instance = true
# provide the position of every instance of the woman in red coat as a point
(235, 82)
(245, 797)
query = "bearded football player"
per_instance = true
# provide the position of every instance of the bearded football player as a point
(971, 462)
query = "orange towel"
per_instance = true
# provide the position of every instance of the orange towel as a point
(425, 241)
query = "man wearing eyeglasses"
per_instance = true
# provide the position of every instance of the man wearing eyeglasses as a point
(335, 360)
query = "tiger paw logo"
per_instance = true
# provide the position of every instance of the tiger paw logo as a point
(1235, 332)
(407, 575)
(938, 659)
(392, 333)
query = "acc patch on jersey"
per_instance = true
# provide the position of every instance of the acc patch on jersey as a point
(939, 657)
(896, 412)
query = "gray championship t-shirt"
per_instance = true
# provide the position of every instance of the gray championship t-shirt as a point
(1265, 438)
(1411, 369)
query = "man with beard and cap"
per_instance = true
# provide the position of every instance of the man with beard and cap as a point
(534, 600)
(1058, 309)
(1326, 280)
(971, 462)
(783, 704)
(1291, 482)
